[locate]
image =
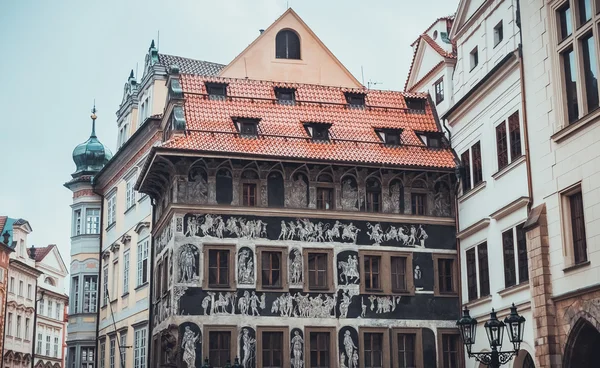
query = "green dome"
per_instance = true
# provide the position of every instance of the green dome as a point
(91, 155)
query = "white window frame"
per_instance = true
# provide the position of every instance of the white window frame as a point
(103, 354)
(111, 352)
(142, 253)
(93, 295)
(92, 221)
(40, 342)
(139, 347)
(130, 193)
(27, 325)
(11, 286)
(9, 324)
(77, 229)
(55, 345)
(18, 333)
(111, 209)
(123, 348)
(29, 292)
(126, 272)
(105, 285)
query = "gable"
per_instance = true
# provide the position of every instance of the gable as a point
(54, 261)
(466, 9)
(425, 60)
(316, 66)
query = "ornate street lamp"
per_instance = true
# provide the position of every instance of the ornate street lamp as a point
(494, 329)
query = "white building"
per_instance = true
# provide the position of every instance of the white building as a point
(52, 301)
(484, 116)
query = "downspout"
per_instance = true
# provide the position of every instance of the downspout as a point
(151, 294)
(99, 288)
(5, 308)
(33, 339)
(458, 257)
(524, 108)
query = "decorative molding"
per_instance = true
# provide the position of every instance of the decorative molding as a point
(567, 131)
(500, 173)
(472, 192)
(479, 225)
(510, 208)
(141, 225)
(115, 247)
(126, 238)
(514, 289)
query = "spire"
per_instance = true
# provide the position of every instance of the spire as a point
(152, 46)
(131, 74)
(93, 116)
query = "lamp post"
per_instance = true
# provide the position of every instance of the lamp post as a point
(494, 329)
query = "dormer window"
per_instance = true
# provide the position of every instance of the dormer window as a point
(355, 99)
(391, 137)
(319, 132)
(247, 128)
(285, 96)
(216, 91)
(431, 140)
(417, 105)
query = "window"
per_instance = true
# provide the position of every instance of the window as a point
(450, 349)
(320, 347)
(285, 96)
(399, 279)
(324, 198)
(77, 220)
(58, 310)
(502, 145)
(355, 99)
(473, 171)
(373, 195)
(508, 146)
(111, 208)
(418, 205)
(445, 274)
(219, 349)
(287, 45)
(27, 325)
(375, 347)
(92, 221)
(50, 306)
(484, 272)
(474, 57)
(522, 258)
(18, 334)
(75, 296)
(471, 275)
(123, 348)
(216, 91)
(11, 287)
(590, 72)
(114, 291)
(514, 250)
(566, 25)
(478, 262)
(56, 347)
(41, 306)
(417, 105)
(574, 236)
(126, 272)
(105, 296)
(275, 189)
(439, 91)
(249, 194)
(386, 272)
(498, 34)
(273, 271)
(406, 348)
(48, 341)
(139, 348)
(224, 184)
(318, 271)
(129, 193)
(9, 330)
(40, 342)
(142, 262)
(111, 352)
(248, 127)
(20, 288)
(272, 344)
(87, 357)
(219, 268)
(391, 137)
(103, 354)
(29, 292)
(90, 294)
(372, 273)
(319, 132)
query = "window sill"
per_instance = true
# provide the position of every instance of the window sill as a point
(220, 288)
(500, 173)
(125, 295)
(514, 289)
(104, 306)
(111, 226)
(140, 287)
(472, 191)
(143, 198)
(113, 301)
(576, 266)
(577, 125)
(129, 209)
(446, 295)
(479, 301)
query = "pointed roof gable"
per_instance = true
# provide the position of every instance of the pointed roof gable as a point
(317, 66)
(51, 257)
(466, 10)
(427, 57)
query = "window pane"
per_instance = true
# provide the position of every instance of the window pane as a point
(398, 274)
(508, 249)
(578, 228)
(372, 279)
(501, 145)
(406, 351)
(418, 203)
(566, 27)
(571, 84)
(471, 274)
(484, 273)
(514, 129)
(585, 11)
(466, 162)
(589, 68)
(477, 168)
(445, 275)
(522, 254)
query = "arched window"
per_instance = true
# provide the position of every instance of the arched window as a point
(275, 191)
(49, 281)
(373, 195)
(397, 196)
(325, 192)
(224, 184)
(287, 45)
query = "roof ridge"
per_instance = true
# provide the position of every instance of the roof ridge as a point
(192, 59)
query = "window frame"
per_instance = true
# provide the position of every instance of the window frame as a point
(455, 280)
(333, 339)
(385, 272)
(418, 344)
(284, 32)
(233, 330)
(111, 210)
(509, 149)
(498, 33)
(330, 272)
(126, 270)
(92, 227)
(283, 251)
(285, 347)
(142, 349)
(567, 226)
(439, 95)
(257, 197)
(385, 345)
(325, 187)
(231, 267)
(474, 58)
(478, 272)
(142, 256)
(441, 332)
(470, 168)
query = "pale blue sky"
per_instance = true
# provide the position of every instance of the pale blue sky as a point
(58, 56)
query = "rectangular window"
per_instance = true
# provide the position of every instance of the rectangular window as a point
(41, 307)
(129, 193)
(56, 347)
(27, 326)
(373, 348)
(18, 334)
(87, 357)
(570, 73)
(48, 338)
(90, 294)
(9, 330)
(40, 343)
(466, 162)
(123, 348)
(126, 272)
(471, 274)
(11, 287)
(318, 278)
(58, 310)
(508, 250)
(21, 287)
(219, 348)
(374, 198)
(77, 220)
(372, 273)
(484, 271)
(139, 348)
(105, 298)
(439, 91)
(114, 291)
(103, 354)
(502, 145)
(585, 11)
(445, 274)
(522, 254)
(566, 25)
(477, 167)
(398, 268)
(514, 130)
(498, 33)
(590, 72)
(320, 347)
(92, 221)
(30, 291)
(474, 57)
(451, 350)
(111, 209)
(271, 270)
(75, 296)
(142, 262)
(578, 228)
(111, 352)
(50, 307)
(249, 194)
(406, 348)
(272, 349)
(324, 198)
(418, 203)
(218, 268)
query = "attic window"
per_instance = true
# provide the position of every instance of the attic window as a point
(248, 128)
(431, 140)
(287, 45)
(415, 104)
(391, 137)
(355, 99)
(285, 96)
(319, 132)
(216, 91)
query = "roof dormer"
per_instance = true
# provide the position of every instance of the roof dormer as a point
(247, 127)
(319, 132)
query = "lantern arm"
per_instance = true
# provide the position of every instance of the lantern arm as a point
(487, 359)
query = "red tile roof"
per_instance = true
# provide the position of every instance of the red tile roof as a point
(281, 131)
(42, 252)
(2, 223)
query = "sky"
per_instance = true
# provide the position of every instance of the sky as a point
(57, 57)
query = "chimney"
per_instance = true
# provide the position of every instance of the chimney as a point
(261, 31)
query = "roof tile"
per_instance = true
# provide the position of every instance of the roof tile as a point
(190, 66)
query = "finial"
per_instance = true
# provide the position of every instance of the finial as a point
(152, 45)
(94, 117)
(131, 74)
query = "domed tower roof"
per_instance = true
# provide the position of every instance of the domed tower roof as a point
(91, 155)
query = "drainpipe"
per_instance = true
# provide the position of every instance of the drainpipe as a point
(458, 258)
(149, 353)
(5, 308)
(524, 108)
(99, 285)
(33, 342)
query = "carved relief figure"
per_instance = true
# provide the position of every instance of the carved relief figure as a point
(346, 301)
(298, 189)
(220, 305)
(334, 232)
(384, 304)
(441, 200)
(297, 348)
(349, 270)
(349, 195)
(395, 197)
(343, 361)
(363, 307)
(284, 231)
(248, 346)
(187, 263)
(375, 233)
(189, 341)
(295, 268)
(350, 232)
(245, 267)
(192, 226)
(349, 347)
(197, 187)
